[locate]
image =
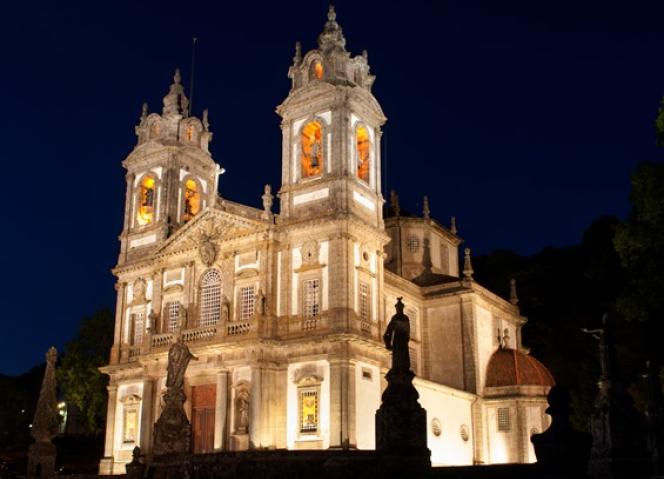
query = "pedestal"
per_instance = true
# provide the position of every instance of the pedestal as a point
(401, 428)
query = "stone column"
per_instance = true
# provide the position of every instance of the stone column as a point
(147, 419)
(157, 284)
(221, 412)
(188, 298)
(255, 418)
(121, 289)
(106, 465)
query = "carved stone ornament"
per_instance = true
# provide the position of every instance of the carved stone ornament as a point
(139, 290)
(207, 251)
(310, 252)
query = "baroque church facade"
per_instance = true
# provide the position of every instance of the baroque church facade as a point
(285, 311)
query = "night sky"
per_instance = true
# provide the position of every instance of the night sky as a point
(522, 119)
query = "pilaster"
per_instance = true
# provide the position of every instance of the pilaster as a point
(221, 412)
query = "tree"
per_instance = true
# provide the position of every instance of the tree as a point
(78, 376)
(640, 243)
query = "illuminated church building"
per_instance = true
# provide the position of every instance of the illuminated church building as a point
(285, 311)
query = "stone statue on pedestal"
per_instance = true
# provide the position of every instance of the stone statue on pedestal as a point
(400, 421)
(618, 450)
(172, 432)
(41, 456)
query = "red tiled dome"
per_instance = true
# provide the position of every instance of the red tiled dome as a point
(509, 367)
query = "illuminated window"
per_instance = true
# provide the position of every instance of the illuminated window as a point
(210, 303)
(247, 301)
(363, 150)
(173, 311)
(311, 295)
(413, 244)
(311, 146)
(146, 201)
(317, 70)
(309, 410)
(365, 301)
(504, 422)
(130, 419)
(189, 133)
(137, 325)
(192, 200)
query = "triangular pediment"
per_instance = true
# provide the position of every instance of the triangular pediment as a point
(210, 224)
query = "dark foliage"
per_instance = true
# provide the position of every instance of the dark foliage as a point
(79, 378)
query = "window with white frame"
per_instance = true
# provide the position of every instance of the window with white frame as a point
(210, 302)
(247, 302)
(137, 326)
(173, 311)
(503, 418)
(364, 301)
(311, 296)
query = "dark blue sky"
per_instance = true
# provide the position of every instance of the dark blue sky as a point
(523, 119)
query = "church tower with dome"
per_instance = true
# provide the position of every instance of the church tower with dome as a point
(285, 310)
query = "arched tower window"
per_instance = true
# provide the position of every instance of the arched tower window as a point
(192, 199)
(210, 303)
(316, 70)
(311, 146)
(146, 201)
(363, 150)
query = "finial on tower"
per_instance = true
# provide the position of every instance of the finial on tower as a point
(176, 102)
(206, 121)
(453, 226)
(365, 54)
(426, 212)
(332, 37)
(394, 203)
(514, 299)
(297, 59)
(504, 338)
(144, 111)
(467, 266)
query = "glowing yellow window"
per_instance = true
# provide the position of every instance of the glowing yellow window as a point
(189, 133)
(311, 142)
(146, 199)
(130, 420)
(317, 70)
(363, 151)
(309, 411)
(192, 200)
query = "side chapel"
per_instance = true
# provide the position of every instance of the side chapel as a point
(285, 311)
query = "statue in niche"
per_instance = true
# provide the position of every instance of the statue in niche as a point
(396, 337)
(225, 310)
(207, 250)
(260, 302)
(242, 411)
(178, 359)
(182, 318)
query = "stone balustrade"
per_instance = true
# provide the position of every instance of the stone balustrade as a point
(238, 329)
(162, 340)
(202, 333)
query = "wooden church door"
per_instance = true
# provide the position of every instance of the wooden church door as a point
(203, 399)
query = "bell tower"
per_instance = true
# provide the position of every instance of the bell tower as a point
(171, 176)
(331, 134)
